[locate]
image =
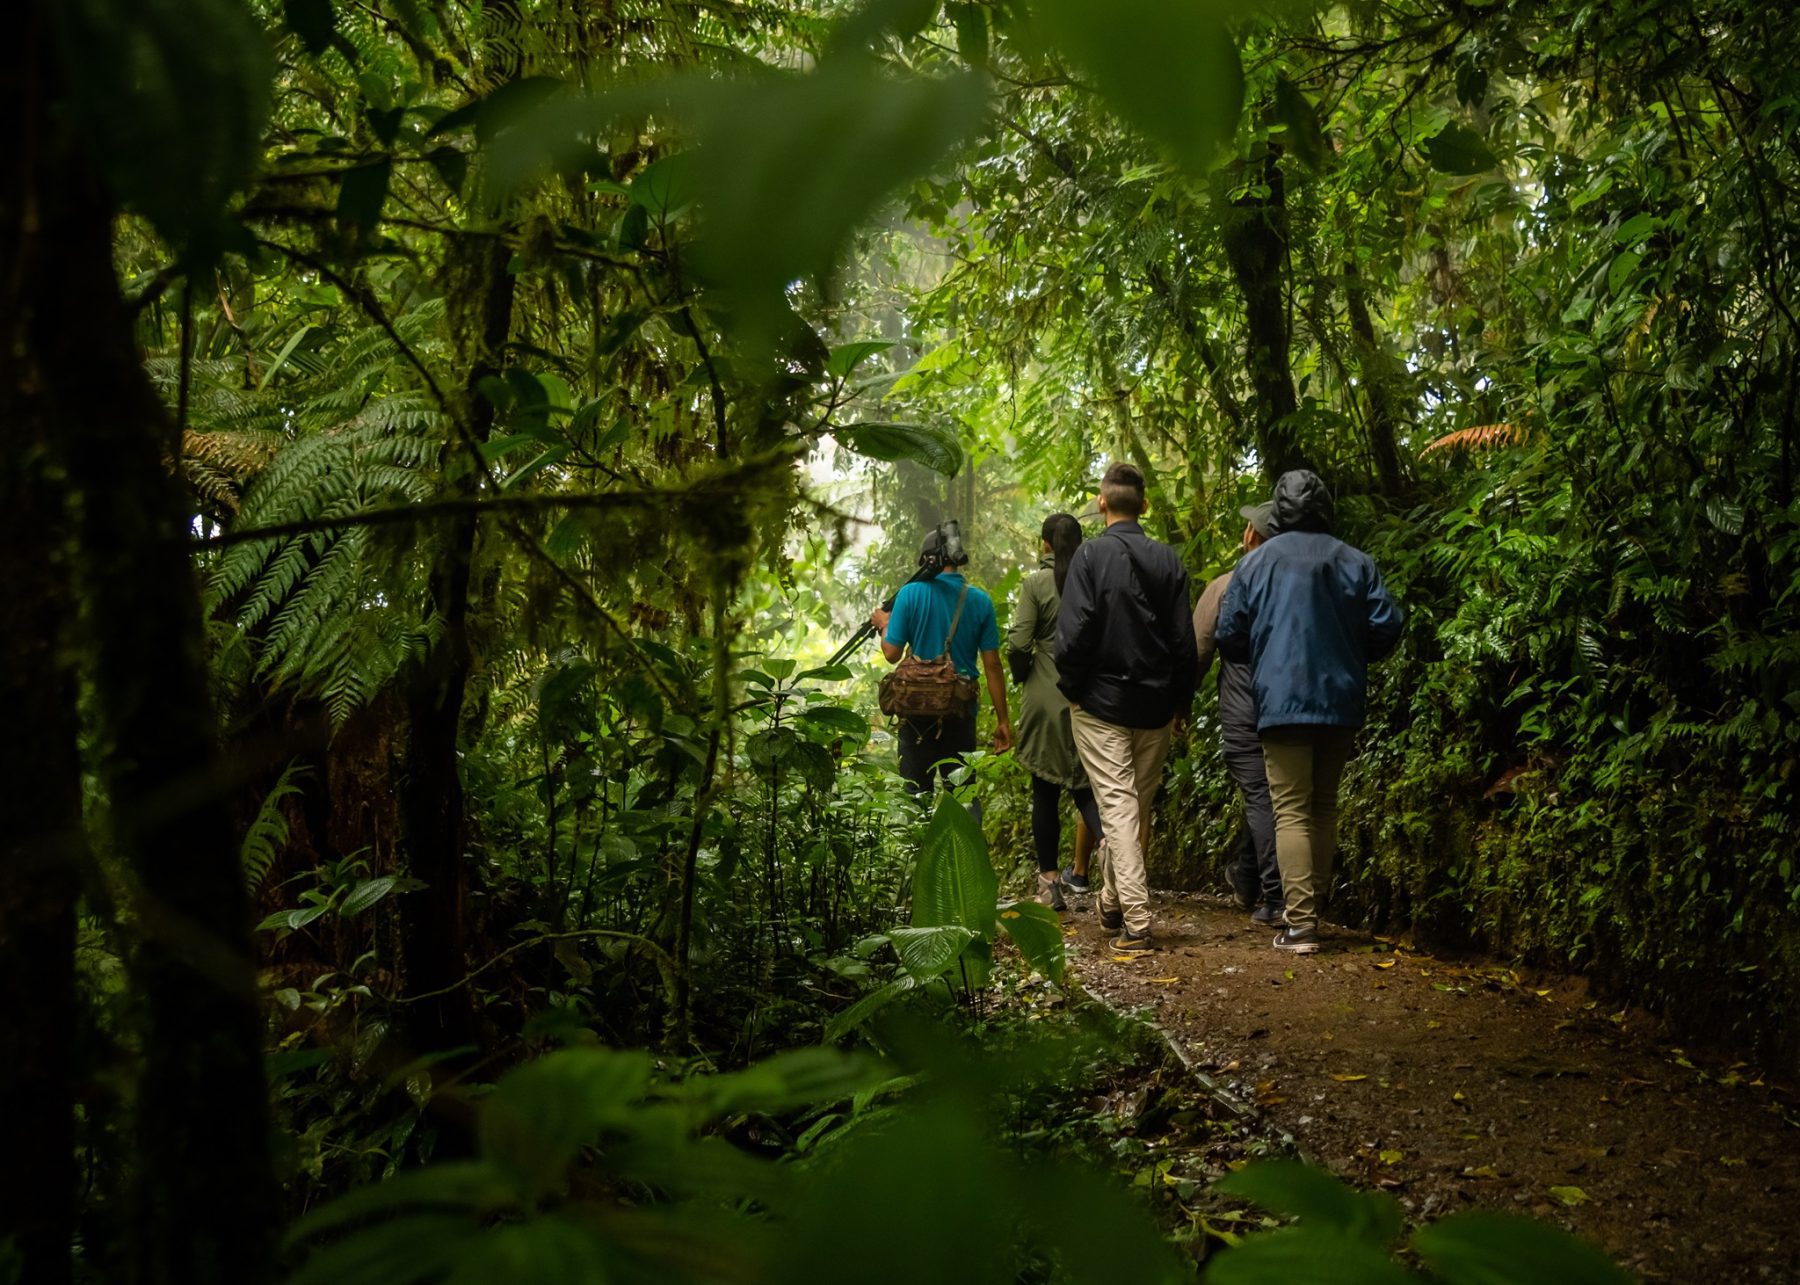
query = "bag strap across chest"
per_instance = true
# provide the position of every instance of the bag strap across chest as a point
(955, 620)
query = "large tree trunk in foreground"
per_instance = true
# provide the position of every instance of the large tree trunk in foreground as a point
(1256, 245)
(40, 798)
(206, 1209)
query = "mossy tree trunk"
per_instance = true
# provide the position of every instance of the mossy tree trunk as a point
(205, 1209)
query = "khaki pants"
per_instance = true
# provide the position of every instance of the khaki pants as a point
(1124, 767)
(1305, 765)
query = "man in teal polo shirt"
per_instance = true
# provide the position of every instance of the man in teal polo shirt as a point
(920, 620)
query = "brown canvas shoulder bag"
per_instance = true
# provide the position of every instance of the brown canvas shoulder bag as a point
(929, 688)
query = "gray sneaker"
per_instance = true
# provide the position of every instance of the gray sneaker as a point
(1303, 942)
(1268, 915)
(1050, 891)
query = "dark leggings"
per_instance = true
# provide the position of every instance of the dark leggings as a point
(1046, 818)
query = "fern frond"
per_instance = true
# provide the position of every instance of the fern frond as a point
(268, 832)
(1479, 437)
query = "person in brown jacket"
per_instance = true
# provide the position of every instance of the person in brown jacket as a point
(1255, 875)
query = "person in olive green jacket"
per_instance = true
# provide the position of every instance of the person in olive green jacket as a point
(1044, 743)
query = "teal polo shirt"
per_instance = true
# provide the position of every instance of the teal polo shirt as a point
(921, 618)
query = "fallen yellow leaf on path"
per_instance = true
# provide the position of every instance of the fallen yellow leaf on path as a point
(1392, 1157)
(1385, 963)
(1570, 1196)
(1348, 1079)
(1126, 959)
(1480, 1171)
(1165, 980)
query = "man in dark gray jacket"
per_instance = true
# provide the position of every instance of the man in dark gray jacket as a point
(1255, 876)
(1310, 614)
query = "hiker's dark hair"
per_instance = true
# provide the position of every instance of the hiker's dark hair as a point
(1123, 490)
(1063, 534)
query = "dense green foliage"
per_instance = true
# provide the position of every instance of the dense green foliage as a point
(545, 387)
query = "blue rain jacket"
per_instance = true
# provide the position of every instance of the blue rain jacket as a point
(1310, 614)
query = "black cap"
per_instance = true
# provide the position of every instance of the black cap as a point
(1261, 517)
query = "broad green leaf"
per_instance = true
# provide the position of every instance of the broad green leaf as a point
(927, 953)
(665, 187)
(787, 166)
(1478, 1248)
(824, 674)
(847, 357)
(1306, 1254)
(366, 894)
(771, 746)
(305, 915)
(1316, 1198)
(936, 448)
(1725, 515)
(801, 1077)
(954, 882)
(1037, 931)
(173, 95)
(866, 1007)
(784, 165)
(836, 721)
(1623, 267)
(1170, 70)
(544, 1113)
(1457, 149)
(971, 33)
(1636, 230)
(816, 765)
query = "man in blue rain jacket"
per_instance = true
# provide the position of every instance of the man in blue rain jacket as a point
(1310, 614)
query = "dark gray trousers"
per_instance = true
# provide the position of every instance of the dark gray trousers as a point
(1254, 864)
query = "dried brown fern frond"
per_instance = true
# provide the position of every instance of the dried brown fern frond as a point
(219, 465)
(1479, 437)
(239, 454)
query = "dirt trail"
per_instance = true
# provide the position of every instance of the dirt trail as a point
(1455, 1082)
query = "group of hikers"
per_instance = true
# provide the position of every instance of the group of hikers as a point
(1109, 650)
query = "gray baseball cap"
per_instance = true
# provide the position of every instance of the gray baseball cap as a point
(1262, 517)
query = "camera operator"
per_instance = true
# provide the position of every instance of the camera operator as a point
(933, 616)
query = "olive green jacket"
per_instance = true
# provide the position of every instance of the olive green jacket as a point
(1042, 738)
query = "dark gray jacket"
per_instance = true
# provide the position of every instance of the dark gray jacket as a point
(1124, 635)
(1310, 614)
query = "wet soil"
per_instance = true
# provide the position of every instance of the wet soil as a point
(1465, 1082)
